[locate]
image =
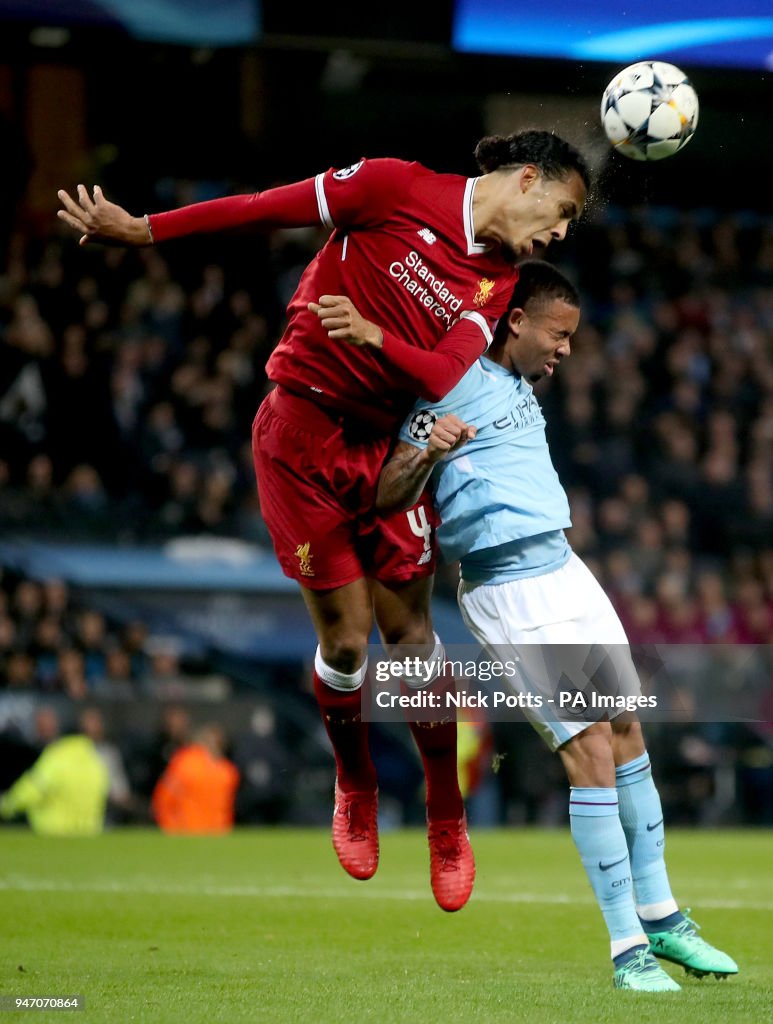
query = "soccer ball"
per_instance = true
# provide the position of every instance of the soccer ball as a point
(649, 110)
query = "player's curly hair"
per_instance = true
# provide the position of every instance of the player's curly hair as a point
(554, 157)
(537, 280)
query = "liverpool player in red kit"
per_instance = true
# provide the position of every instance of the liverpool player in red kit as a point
(429, 258)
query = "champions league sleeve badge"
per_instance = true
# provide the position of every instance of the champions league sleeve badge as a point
(347, 172)
(421, 424)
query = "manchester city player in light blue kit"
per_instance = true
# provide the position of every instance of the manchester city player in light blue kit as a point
(503, 513)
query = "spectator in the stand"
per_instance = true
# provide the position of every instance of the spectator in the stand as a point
(116, 679)
(174, 732)
(646, 546)
(754, 614)
(134, 636)
(49, 639)
(71, 674)
(214, 507)
(614, 522)
(622, 581)
(754, 772)
(7, 635)
(757, 527)
(263, 764)
(718, 500)
(178, 510)
(121, 805)
(716, 612)
(91, 639)
(19, 671)
(164, 677)
(197, 792)
(47, 726)
(680, 620)
(641, 618)
(85, 506)
(161, 442)
(56, 599)
(676, 522)
(25, 344)
(674, 467)
(41, 496)
(27, 607)
(77, 400)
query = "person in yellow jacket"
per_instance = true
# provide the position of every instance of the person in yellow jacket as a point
(64, 793)
(475, 746)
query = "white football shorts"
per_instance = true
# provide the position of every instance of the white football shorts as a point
(562, 631)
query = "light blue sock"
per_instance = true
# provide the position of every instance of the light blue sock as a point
(641, 816)
(600, 840)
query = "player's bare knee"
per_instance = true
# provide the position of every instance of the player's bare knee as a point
(403, 614)
(410, 638)
(416, 640)
(588, 758)
(344, 653)
(626, 726)
(627, 738)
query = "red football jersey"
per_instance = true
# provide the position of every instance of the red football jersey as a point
(403, 250)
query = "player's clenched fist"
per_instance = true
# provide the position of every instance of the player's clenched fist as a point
(99, 220)
(448, 434)
(344, 323)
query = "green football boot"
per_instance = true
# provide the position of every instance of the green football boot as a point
(642, 973)
(682, 945)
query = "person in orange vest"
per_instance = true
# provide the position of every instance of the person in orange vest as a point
(197, 791)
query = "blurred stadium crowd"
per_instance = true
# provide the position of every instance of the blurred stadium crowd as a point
(129, 380)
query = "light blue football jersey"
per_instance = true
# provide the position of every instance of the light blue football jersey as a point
(502, 506)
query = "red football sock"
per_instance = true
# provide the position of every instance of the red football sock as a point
(341, 713)
(437, 745)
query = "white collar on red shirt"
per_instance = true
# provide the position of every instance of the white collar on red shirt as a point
(473, 247)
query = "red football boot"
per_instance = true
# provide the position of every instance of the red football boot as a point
(451, 863)
(355, 832)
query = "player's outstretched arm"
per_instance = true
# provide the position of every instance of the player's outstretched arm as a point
(405, 475)
(98, 220)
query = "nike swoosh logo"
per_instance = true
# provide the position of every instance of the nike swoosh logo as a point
(606, 867)
(651, 828)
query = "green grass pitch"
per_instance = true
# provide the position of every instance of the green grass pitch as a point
(263, 925)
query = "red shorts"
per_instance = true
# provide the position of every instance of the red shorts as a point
(317, 480)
